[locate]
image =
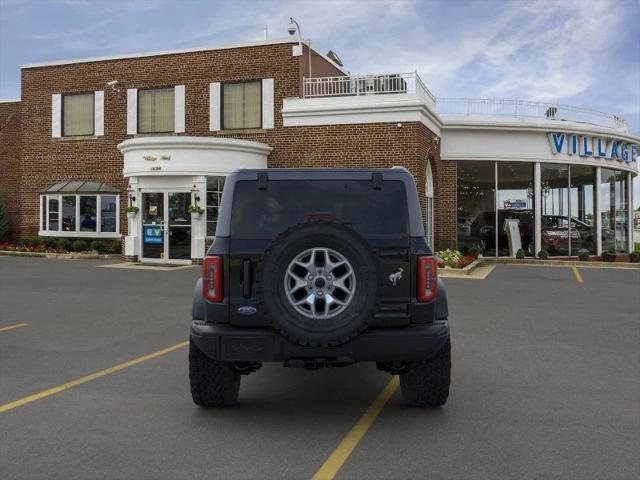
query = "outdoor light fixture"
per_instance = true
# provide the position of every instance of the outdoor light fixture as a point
(132, 197)
(294, 28)
(195, 193)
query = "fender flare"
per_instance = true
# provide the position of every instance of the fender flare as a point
(197, 306)
(442, 307)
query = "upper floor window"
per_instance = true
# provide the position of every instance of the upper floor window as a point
(156, 110)
(242, 105)
(78, 114)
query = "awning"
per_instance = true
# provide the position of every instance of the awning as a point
(80, 186)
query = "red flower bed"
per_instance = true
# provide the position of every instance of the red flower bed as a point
(464, 261)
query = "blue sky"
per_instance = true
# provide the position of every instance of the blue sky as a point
(584, 52)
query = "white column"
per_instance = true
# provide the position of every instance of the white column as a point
(132, 240)
(537, 188)
(597, 216)
(199, 226)
(630, 212)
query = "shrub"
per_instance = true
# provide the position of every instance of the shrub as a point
(583, 254)
(4, 223)
(450, 257)
(634, 257)
(65, 244)
(543, 254)
(611, 249)
(474, 252)
(80, 246)
(48, 242)
(115, 247)
(520, 253)
(98, 246)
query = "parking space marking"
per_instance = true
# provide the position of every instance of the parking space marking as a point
(576, 273)
(94, 376)
(11, 327)
(334, 463)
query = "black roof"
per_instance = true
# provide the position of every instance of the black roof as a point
(80, 186)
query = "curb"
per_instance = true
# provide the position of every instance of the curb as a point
(63, 256)
(460, 272)
(563, 263)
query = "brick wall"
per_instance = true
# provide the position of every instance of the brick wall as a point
(46, 160)
(10, 162)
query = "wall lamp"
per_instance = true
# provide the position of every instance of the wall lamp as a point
(132, 197)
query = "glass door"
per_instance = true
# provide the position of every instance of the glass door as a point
(153, 216)
(179, 244)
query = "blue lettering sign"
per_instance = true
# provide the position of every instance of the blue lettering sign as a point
(573, 146)
(614, 150)
(634, 153)
(624, 152)
(601, 151)
(153, 235)
(557, 142)
(586, 148)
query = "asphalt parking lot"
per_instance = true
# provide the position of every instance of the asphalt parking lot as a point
(545, 384)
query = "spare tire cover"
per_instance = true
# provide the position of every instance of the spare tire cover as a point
(320, 283)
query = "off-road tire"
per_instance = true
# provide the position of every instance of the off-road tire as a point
(344, 326)
(426, 383)
(213, 383)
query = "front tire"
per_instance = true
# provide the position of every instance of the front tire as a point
(426, 383)
(213, 383)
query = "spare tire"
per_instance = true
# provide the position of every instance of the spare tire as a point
(320, 283)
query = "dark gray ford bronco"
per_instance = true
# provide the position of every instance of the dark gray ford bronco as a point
(316, 268)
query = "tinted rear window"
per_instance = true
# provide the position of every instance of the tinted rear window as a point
(260, 213)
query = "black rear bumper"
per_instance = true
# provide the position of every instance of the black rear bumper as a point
(227, 343)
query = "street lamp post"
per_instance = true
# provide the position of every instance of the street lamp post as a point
(294, 28)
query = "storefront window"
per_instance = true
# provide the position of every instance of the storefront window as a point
(108, 213)
(614, 212)
(581, 204)
(515, 208)
(69, 213)
(476, 206)
(214, 194)
(554, 186)
(87, 213)
(54, 213)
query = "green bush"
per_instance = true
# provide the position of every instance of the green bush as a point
(520, 253)
(80, 246)
(98, 246)
(543, 254)
(115, 247)
(583, 254)
(474, 252)
(50, 243)
(634, 257)
(450, 257)
(611, 249)
(4, 223)
(65, 244)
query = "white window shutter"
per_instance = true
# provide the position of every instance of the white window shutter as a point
(267, 103)
(56, 115)
(179, 108)
(98, 112)
(132, 111)
(214, 106)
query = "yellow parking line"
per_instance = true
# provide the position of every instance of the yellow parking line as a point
(576, 273)
(88, 378)
(330, 467)
(11, 327)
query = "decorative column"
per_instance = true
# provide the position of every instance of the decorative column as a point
(537, 212)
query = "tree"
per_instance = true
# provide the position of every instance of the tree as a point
(4, 222)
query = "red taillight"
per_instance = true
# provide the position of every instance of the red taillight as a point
(427, 279)
(212, 277)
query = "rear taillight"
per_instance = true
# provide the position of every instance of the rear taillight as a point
(427, 279)
(212, 277)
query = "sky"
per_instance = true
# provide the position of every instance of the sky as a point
(584, 52)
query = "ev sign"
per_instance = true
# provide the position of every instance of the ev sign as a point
(595, 147)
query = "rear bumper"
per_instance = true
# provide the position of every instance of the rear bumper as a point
(227, 343)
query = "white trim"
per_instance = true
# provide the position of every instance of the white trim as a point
(267, 103)
(179, 101)
(537, 207)
(214, 107)
(10, 100)
(132, 111)
(98, 112)
(630, 211)
(63, 234)
(77, 233)
(598, 210)
(56, 115)
(161, 52)
(184, 142)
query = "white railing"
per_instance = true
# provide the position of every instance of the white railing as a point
(521, 108)
(375, 84)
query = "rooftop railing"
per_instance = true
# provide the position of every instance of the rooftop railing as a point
(402, 83)
(472, 107)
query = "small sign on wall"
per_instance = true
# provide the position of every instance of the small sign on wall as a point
(153, 235)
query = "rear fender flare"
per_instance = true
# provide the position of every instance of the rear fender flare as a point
(197, 306)
(442, 307)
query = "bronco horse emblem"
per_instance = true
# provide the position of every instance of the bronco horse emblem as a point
(394, 277)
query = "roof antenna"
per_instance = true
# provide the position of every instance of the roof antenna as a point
(266, 32)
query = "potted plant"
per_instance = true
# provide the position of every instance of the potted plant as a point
(520, 254)
(132, 211)
(543, 254)
(195, 211)
(610, 254)
(583, 255)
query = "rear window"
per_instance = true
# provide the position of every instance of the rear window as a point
(284, 203)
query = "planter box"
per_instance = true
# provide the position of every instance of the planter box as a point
(195, 216)
(131, 216)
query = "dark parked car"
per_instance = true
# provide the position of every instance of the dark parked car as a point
(320, 268)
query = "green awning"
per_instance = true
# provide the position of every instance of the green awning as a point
(80, 186)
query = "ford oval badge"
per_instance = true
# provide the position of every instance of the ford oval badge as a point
(247, 310)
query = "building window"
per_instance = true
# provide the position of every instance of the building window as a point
(214, 194)
(78, 114)
(69, 214)
(614, 211)
(476, 206)
(156, 110)
(429, 206)
(242, 105)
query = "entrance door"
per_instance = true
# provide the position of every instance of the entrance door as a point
(166, 227)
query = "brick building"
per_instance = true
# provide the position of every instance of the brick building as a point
(158, 132)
